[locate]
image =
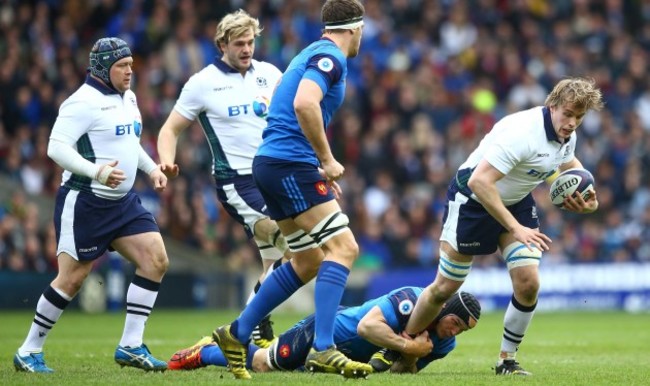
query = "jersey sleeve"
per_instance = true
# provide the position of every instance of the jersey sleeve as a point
(190, 103)
(325, 70)
(75, 119)
(508, 150)
(398, 306)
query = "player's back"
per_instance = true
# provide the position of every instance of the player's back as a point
(324, 63)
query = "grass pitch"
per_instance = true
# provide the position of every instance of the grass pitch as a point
(560, 349)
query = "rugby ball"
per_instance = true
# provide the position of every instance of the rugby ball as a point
(569, 182)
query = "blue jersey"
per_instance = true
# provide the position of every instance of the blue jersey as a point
(397, 307)
(322, 62)
(289, 351)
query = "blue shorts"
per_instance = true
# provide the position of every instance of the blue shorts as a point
(290, 350)
(242, 200)
(86, 225)
(288, 187)
(471, 230)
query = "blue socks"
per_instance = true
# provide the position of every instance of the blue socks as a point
(330, 284)
(277, 288)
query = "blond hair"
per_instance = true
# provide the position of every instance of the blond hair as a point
(234, 25)
(582, 93)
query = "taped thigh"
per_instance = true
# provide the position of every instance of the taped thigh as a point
(518, 255)
(332, 225)
(300, 241)
(452, 269)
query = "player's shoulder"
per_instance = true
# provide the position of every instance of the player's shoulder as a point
(85, 97)
(522, 123)
(263, 67)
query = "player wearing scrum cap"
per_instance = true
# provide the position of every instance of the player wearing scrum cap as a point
(490, 206)
(96, 140)
(296, 173)
(359, 333)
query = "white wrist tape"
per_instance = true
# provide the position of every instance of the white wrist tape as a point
(103, 174)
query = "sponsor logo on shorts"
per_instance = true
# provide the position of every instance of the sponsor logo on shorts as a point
(321, 188)
(284, 351)
(473, 244)
(86, 250)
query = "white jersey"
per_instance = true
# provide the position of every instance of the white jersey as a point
(524, 147)
(102, 126)
(231, 110)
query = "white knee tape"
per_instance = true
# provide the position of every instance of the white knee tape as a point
(277, 240)
(332, 225)
(452, 269)
(268, 251)
(518, 255)
(300, 241)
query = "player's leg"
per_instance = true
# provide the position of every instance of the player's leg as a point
(453, 269)
(523, 266)
(83, 226)
(468, 230)
(140, 242)
(328, 226)
(49, 308)
(276, 288)
(243, 201)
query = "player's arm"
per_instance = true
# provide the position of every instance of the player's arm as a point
(483, 185)
(374, 328)
(306, 104)
(168, 140)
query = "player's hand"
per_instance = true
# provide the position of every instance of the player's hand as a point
(158, 179)
(332, 170)
(333, 185)
(418, 347)
(171, 171)
(532, 238)
(110, 176)
(578, 204)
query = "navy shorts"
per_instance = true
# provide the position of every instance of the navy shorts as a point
(471, 230)
(242, 200)
(288, 187)
(86, 225)
(290, 350)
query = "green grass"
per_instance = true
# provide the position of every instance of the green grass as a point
(560, 349)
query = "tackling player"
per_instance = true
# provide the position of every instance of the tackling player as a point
(490, 205)
(359, 333)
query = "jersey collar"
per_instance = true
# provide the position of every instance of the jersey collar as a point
(551, 135)
(100, 86)
(225, 68)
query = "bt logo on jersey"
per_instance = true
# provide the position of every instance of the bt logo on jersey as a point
(135, 128)
(540, 175)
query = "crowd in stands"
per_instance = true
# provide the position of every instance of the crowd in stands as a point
(431, 79)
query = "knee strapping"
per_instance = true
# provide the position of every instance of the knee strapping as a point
(332, 225)
(277, 240)
(268, 251)
(518, 255)
(452, 269)
(300, 241)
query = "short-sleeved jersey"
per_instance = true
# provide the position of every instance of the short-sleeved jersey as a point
(322, 62)
(397, 307)
(103, 126)
(231, 110)
(525, 148)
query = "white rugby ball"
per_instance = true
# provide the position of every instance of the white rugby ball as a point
(569, 182)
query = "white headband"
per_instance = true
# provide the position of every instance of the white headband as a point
(346, 24)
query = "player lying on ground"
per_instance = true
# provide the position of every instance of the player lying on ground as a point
(359, 332)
